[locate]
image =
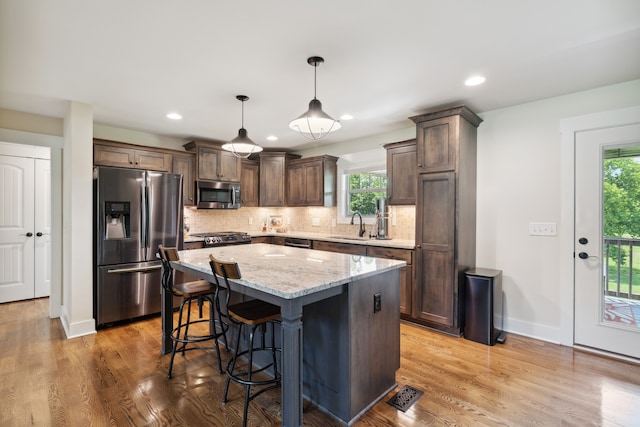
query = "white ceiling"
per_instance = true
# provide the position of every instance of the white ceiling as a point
(136, 60)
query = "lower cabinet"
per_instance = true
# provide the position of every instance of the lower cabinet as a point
(344, 248)
(272, 240)
(406, 273)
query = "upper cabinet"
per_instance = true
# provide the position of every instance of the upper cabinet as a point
(401, 172)
(312, 181)
(184, 164)
(437, 147)
(273, 182)
(250, 183)
(213, 163)
(108, 153)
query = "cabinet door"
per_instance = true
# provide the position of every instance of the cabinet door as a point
(152, 160)
(401, 175)
(107, 155)
(249, 183)
(297, 185)
(229, 166)
(436, 145)
(272, 188)
(208, 160)
(314, 184)
(184, 165)
(406, 273)
(434, 292)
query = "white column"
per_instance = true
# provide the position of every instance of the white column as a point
(77, 177)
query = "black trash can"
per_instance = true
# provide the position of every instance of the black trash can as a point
(483, 306)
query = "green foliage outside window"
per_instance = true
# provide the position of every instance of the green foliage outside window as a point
(364, 189)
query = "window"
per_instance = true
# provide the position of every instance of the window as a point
(363, 190)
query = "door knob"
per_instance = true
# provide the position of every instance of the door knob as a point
(583, 240)
(39, 234)
(29, 234)
(583, 255)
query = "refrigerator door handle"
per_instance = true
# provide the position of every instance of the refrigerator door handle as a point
(134, 269)
(144, 217)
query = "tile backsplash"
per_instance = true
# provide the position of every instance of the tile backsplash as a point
(309, 220)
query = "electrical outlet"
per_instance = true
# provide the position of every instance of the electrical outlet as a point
(377, 302)
(315, 222)
(542, 229)
(333, 222)
(250, 221)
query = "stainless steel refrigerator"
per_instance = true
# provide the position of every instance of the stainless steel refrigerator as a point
(134, 211)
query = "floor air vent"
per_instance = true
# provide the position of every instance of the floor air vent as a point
(406, 397)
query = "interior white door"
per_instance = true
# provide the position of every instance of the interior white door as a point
(592, 329)
(42, 227)
(16, 228)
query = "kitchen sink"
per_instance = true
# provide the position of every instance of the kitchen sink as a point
(348, 238)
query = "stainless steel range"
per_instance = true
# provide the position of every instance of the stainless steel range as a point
(223, 238)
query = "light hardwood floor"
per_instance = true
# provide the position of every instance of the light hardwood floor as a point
(117, 377)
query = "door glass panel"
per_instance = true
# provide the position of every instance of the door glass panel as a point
(621, 236)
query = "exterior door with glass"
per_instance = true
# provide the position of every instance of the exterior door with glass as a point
(607, 245)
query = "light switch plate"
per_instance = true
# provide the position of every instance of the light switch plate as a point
(542, 229)
(315, 222)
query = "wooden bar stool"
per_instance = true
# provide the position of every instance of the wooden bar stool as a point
(198, 291)
(255, 314)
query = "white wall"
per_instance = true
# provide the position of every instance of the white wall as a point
(519, 176)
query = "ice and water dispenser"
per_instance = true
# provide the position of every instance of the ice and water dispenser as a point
(117, 220)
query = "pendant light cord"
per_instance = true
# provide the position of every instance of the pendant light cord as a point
(315, 79)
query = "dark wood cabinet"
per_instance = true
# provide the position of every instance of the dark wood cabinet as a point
(406, 273)
(344, 248)
(184, 164)
(250, 183)
(312, 181)
(401, 172)
(262, 239)
(108, 153)
(213, 163)
(445, 215)
(273, 182)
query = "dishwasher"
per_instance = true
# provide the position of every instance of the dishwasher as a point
(297, 243)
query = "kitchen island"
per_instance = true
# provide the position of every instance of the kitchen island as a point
(350, 305)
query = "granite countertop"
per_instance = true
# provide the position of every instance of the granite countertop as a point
(289, 272)
(392, 243)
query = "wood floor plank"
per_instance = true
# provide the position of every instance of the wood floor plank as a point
(117, 377)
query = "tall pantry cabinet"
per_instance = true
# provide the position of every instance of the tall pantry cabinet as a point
(445, 215)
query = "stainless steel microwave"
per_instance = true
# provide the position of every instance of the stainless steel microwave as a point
(217, 195)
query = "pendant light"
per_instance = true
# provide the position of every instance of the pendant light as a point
(315, 123)
(242, 146)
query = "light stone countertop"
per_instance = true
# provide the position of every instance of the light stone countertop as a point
(392, 243)
(289, 272)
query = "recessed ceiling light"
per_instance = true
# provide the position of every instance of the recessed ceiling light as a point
(474, 81)
(174, 116)
(346, 117)
(272, 138)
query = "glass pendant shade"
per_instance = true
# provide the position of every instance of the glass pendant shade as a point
(315, 123)
(242, 146)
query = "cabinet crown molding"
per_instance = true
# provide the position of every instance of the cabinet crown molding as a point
(461, 110)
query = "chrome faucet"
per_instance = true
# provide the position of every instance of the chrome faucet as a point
(361, 230)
